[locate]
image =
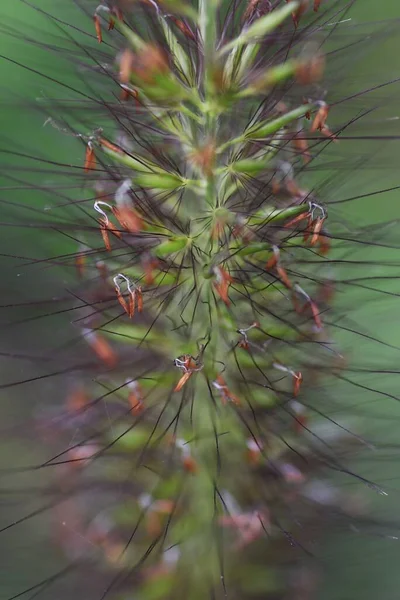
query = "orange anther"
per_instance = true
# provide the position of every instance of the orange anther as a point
(226, 394)
(317, 226)
(190, 465)
(185, 377)
(139, 299)
(222, 283)
(135, 397)
(90, 158)
(320, 118)
(122, 300)
(110, 146)
(283, 276)
(308, 230)
(128, 218)
(271, 263)
(300, 144)
(296, 220)
(125, 66)
(185, 29)
(80, 260)
(324, 244)
(77, 400)
(297, 381)
(253, 453)
(132, 303)
(311, 70)
(101, 348)
(105, 236)
(316, 315)
(97, 26)
(297, 14)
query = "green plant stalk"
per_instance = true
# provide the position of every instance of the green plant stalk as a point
(205, 228)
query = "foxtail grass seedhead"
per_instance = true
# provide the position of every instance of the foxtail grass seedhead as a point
(202, 285)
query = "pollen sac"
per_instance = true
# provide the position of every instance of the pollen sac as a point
(311, 70)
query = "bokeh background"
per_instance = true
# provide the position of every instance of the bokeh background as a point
(356, 567)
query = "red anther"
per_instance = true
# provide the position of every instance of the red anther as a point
(249, 526)
(302, 217)
(316, 229)
(311, 70)
(139, 299)
(300, 423)
(272, 262)
(226, 394)
(243, 344)
(149, 265)
(164, 507)
(222, 291)
(328, 133)
(253, 453)
(291, 474)
(217, 230)
(250, 10)
(222, 283)
(77, 400)
(135, 397)
(324, 244)
(185, 29)
(308, 229)
(153, 524)
(320, 118)
(105, 236)
(185, 377)
(128, 218)
(80, 261)
(292, 188)
(151, 62)
(297, 14)
(122, 300)
(154, 516)
(111, 227)
(127, 93)
(283, 276)
(190, 465)
(316, 315)
(81, 456)
(111, 24)
(326, 292)
(90, 158)
(296, 305)
(308, 113)
(317, 4)
(297, 381)
(132, 303)
(97, 26)
(101, 348)
(110, 146)
(125, 66)
(276, 187)
(300, 144)
(118, 13)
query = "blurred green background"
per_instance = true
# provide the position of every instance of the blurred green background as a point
(357, 567)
